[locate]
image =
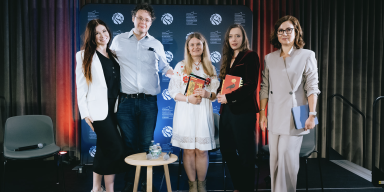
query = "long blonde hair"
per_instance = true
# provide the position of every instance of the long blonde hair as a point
(205, 57)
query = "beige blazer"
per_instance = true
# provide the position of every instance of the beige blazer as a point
(288, 84)
(92, 99)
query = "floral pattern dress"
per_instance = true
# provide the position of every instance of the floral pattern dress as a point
(193, 125)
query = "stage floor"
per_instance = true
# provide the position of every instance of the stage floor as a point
(40, 176)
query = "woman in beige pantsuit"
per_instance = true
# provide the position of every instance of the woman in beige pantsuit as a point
(290, 79)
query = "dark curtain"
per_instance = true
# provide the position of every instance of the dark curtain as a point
(351, 64)
(38, 40)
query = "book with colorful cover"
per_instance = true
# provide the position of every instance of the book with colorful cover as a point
(231, 83)
(194, 82)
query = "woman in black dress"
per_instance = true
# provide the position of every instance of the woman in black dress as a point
(98, 86)
(238, 108)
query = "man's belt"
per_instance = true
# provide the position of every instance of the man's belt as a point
(136, 96)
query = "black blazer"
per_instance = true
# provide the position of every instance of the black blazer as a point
(243, 100)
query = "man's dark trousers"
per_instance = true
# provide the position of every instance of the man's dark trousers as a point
(137, 120)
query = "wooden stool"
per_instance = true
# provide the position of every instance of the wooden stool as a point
(140, 159)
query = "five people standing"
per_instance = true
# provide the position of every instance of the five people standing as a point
(124, 79)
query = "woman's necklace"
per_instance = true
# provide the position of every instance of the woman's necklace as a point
(197, 66)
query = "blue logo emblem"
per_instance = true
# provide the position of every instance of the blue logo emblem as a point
(215, 57)
(167, 131)
(118, 18)
(216, 19)
(169, 56)
(92, 151)
(166, 95)
(167, 19)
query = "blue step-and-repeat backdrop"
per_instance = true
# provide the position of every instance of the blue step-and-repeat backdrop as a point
(172, 25)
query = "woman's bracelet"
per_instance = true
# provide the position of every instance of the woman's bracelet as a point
(187, 100)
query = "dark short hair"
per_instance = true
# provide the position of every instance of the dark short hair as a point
(299, 42)
(146, 7)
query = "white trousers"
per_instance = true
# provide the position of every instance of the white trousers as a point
(284, 165)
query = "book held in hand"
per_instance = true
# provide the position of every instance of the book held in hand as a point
(300, 115)
(231, 83)
(194, 82)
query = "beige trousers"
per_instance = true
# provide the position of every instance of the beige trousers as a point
(284, 165)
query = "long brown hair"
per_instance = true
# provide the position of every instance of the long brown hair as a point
(299, 42)
(205, 57)
(89, 46)
(228, 51)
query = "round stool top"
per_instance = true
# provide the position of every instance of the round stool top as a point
(140, 159)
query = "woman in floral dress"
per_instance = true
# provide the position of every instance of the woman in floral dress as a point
(193, 127)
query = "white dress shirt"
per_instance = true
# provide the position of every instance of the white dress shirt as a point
(140, 62)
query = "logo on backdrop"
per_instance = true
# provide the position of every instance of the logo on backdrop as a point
(186, 37)
(240, 18)
(215, 38)
(216, 19)
(92, 151)
(167, 19)
(118, 18)
(167, 37)
(215, 57)
(115, 33)
(167, 131)
(166, 95)
(169, 56)
(216, 109)
(167, 112)
(93, 15)
(191, 18)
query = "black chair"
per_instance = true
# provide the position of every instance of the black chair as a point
(216, 122)
(308, 147)
(25, 131)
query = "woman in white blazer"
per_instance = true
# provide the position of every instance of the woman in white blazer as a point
(98, 86)
(290, 79)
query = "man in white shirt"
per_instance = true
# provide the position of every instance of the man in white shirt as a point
(141, 57)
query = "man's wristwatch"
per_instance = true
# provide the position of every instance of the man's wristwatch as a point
(313, 113)
(210, 96)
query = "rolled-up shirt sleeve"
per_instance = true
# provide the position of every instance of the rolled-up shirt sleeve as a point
(311, 76)
(264, 86)
(163, 64)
